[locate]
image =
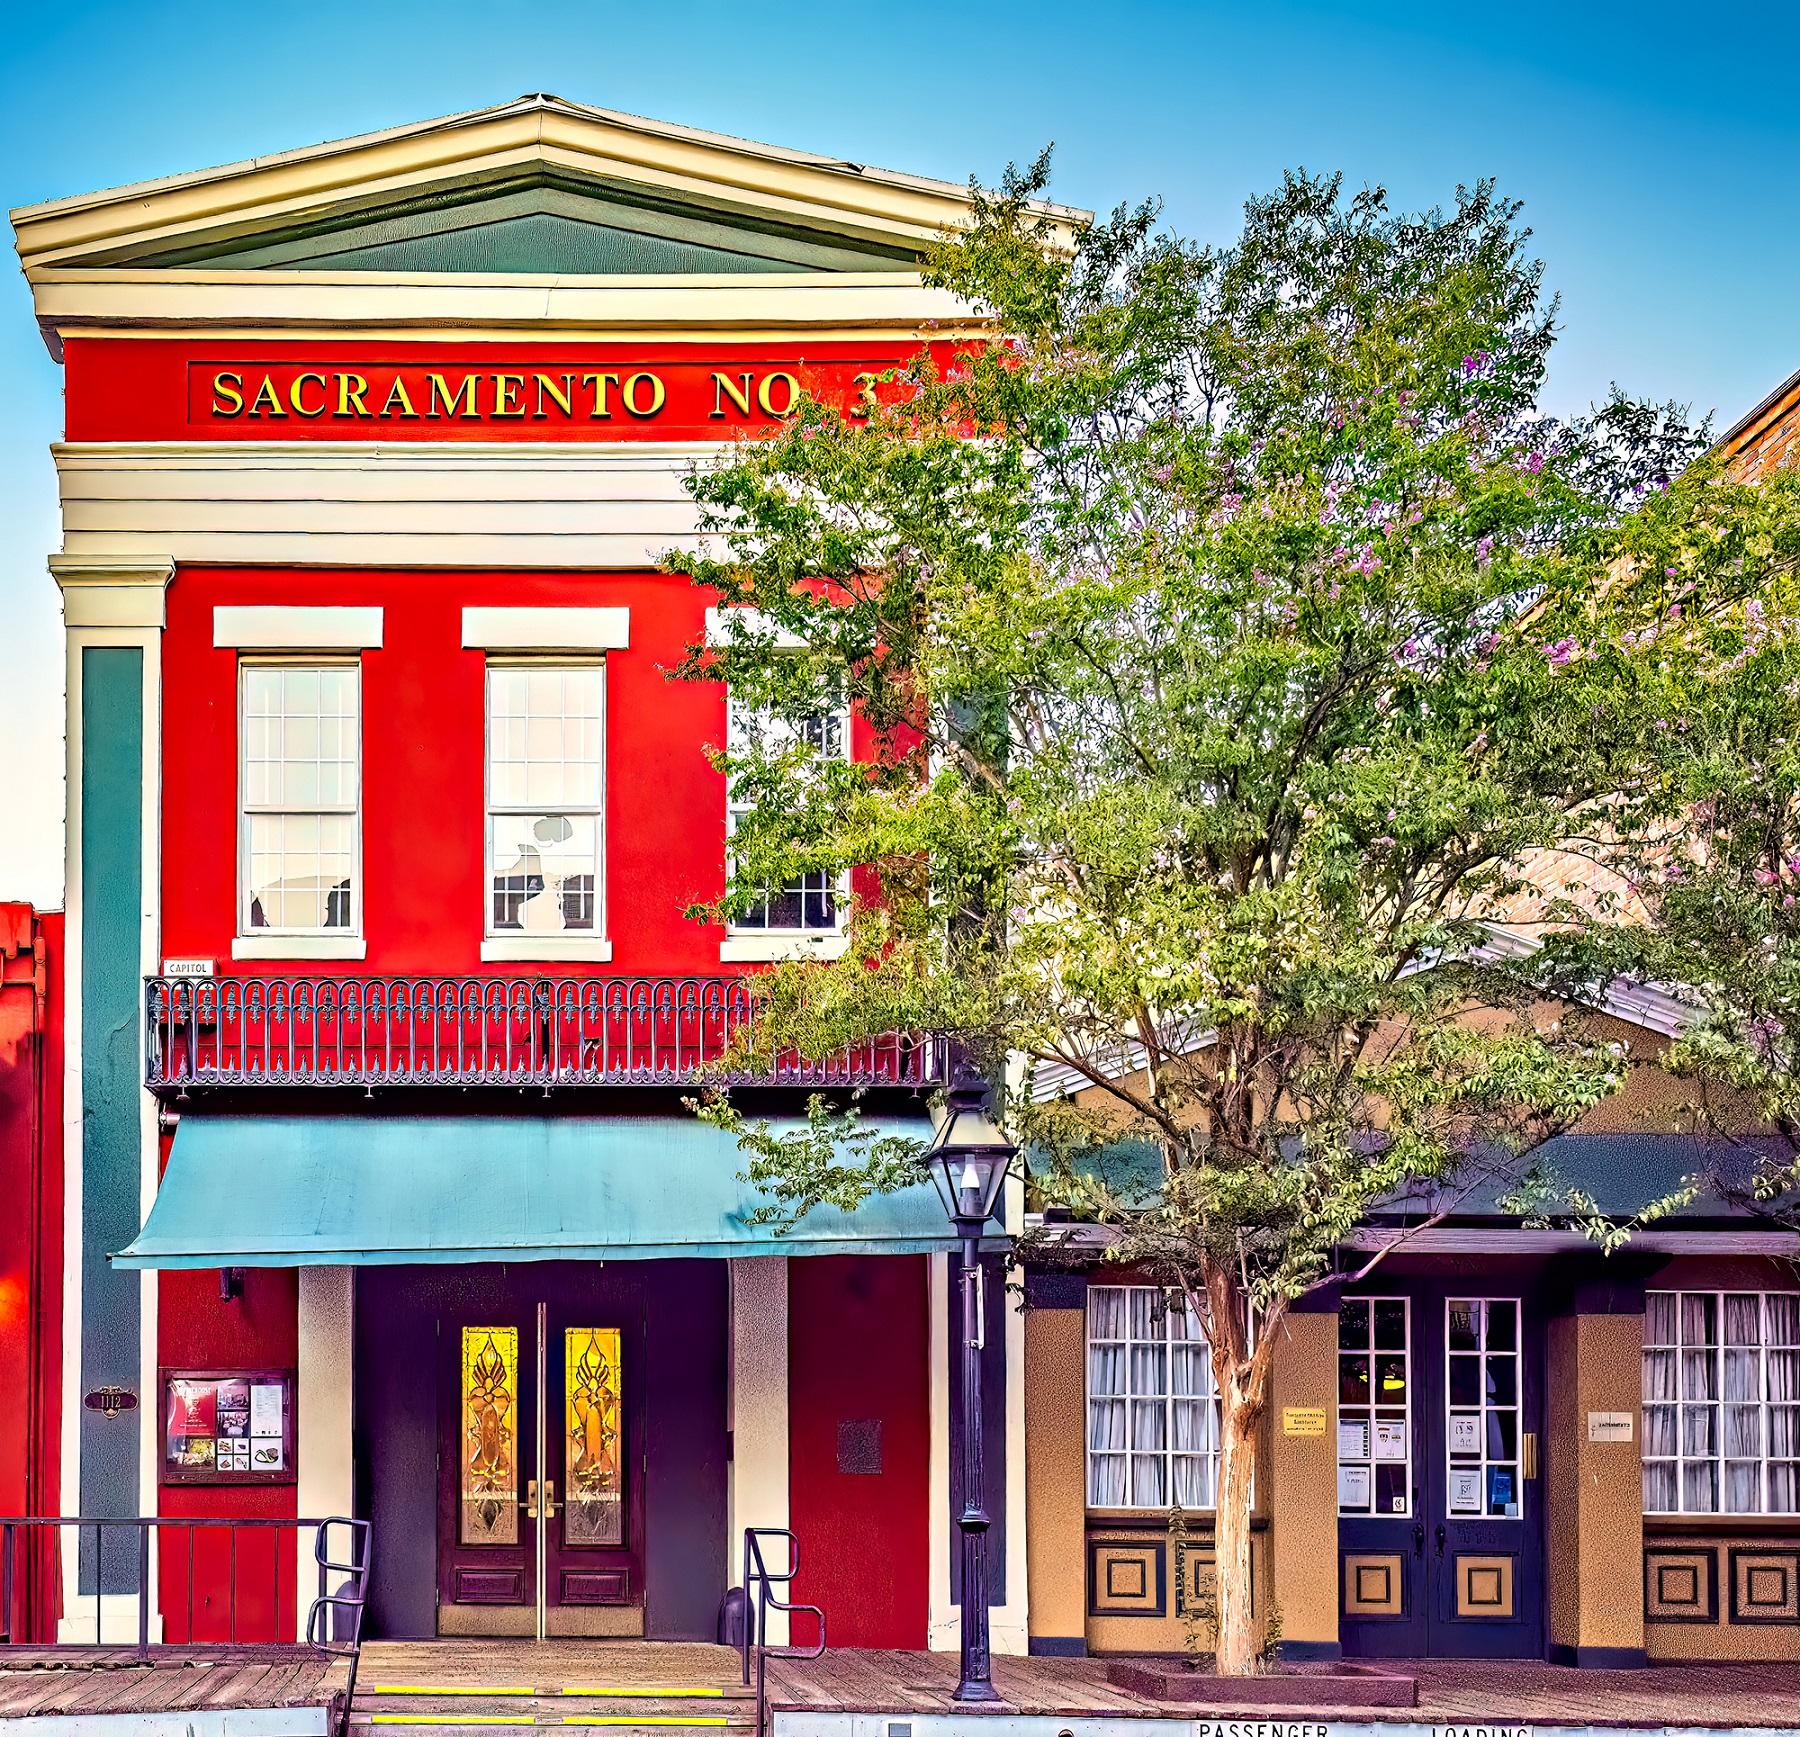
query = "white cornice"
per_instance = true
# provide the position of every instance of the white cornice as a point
(253, 306)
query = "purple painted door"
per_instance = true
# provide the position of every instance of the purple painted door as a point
(541, 1387)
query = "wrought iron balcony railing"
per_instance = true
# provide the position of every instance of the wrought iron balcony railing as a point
(489, 1031)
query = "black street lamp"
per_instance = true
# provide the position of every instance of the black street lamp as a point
(968, 1160)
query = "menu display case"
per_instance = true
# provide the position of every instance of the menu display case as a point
(227, 1426)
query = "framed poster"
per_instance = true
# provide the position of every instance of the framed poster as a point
(227, 1426)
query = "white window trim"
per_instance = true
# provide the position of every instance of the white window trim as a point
(763, 944)
(546, 632)
(1169, 1453)
(267, 946)
(1368, 1350)
(516, 946)
(596, 949)
(1764, 1405)
(1482, 1410)
(778, 946)
(288, 628)
(249, 943)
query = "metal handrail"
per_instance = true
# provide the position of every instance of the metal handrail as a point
(202, 1032)
(760, 1582)
(323, 1628)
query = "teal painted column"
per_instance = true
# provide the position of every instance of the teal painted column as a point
(111, 862)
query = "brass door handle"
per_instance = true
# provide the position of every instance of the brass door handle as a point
(530, 1504)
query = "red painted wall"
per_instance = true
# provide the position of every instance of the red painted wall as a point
(423, 775)
(859, 1350)
(31, 1241)
(422, 700)
(215, 1585)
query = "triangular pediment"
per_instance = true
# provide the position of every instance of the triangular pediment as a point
(529, 225)
(540, 185)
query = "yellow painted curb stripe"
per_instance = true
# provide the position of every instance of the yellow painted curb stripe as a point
(637, 1719)
(448, 1719)
(446, 1689)
(646, 1694)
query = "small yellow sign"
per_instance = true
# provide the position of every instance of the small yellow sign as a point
(1303, 1420)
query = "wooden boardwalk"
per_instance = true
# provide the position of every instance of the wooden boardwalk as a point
(665, 1689)
(77, 1680)
(1451, 1691)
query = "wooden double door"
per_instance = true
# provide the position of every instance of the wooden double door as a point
(540, 1416)
(1440, 1505)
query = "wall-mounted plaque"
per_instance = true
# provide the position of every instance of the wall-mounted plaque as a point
(227, 1426)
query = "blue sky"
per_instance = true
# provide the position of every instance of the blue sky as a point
(1656, 151)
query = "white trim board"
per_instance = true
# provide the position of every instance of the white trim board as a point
(375, 505)
(281, 627)
(546, 629)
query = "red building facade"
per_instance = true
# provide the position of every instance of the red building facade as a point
(385, 815)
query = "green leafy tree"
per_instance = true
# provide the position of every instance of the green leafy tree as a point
(1232, 628)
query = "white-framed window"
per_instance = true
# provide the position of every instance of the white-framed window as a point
(1374, 1474)
(1482, 1375)
(1721, 1402)
(545, 790)
(812, 904)
(300, 792)
(1153, 1407)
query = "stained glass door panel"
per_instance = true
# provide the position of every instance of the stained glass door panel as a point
(487, 1558)
(488, 1476)
(593, 1420)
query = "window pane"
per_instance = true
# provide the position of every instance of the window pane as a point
(544, 737)
(1146, 1448)
(300, 872)
(1700, 1487)
(545, 874)
(1106, 1312)
(1148, 1418)
(1149, 1481)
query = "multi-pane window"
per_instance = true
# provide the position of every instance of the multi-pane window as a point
(300, 783)
(1481, 1377)
(1375, 1406)
(1153, 1407)
(544, 786)
(1721, 1402)
(810, 903)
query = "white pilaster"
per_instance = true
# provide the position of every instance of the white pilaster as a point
(324, 1466)
(758, 1420)
(108, 600)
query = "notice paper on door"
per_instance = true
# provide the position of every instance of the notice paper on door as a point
(1465, 1492)
(1353, 1438)
(1353, 1489)
(1390, 1439)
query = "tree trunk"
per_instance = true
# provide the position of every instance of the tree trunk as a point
(1237, 1643)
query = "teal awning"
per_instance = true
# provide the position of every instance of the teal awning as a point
(293, 1191)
